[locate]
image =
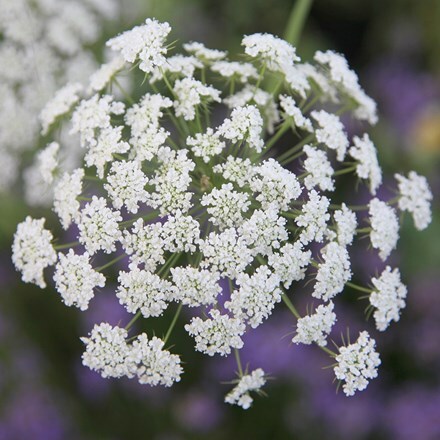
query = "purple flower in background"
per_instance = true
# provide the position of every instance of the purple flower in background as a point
(414, 414)
(199, 412)
(402, 91)
(33, 414)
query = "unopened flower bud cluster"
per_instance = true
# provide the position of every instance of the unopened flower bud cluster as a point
(209, 215)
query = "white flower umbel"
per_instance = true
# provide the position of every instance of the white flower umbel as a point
(98, 226)
(275, 53)
(265, 102)
(290, 109)
(333, 273)
(65, 203)
(203, 53)
(126, 185)
(195, 188)
(144, 245)
(75, 279)
(290, 263)
(59, 105)
(172, 180)
(331, 132)
(388, 297)
(180, 233)
(32, 250)
(226, 252)
(143, 290)
(313, 218)
(206, 145)
(106, 73)
(233, 69)
(48, 162)
(108, 143)
(239, 395)
(106, 351)
(346, 224)
(275, 185)
(384, 227)
(226, 206)
(343, 77)
(216, 335)
(145, 43)
(319, 169)
(245, 124)
(236, 169)
(148, 112)
(368, 167)
(357, 363)
(195, 287)
(190, 93)
(315, 327)
(254, 301)
(179, 65)
(415, 197)
(152, 364)
(265, 231)
(92, 114)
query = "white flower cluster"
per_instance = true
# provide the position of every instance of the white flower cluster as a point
(384, 227)
(32, 250)
(316, 327)
(217, 334)
(240, 393)
(214, 217)
(415, 196)
(388, 297)
(75, 279)
(357, 363)
(44, 45)
(108, 352)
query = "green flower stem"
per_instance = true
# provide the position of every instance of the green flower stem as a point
(84, 199)
(260, 78)
(163, 271)
(123, 91)
(362, 230)
(310, 104)
(232, 86)
(281, 130)
(290, 306)
(286, 155)
(394, 200)
(345, 171)
(173, 323)
(168, 84)
(292, 158)
(237, 358)
(360, 288)
(296, 21)
(352, 207)
(199, 122)
(58, 247)
(92, 178)
(111, 262)
(145, 217)
(177, 125)
(328, 351)
(135, 318)
(294, 27)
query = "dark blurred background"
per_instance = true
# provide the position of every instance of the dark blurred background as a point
(45, 393)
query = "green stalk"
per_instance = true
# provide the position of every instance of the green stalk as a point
(296, 21)
(293, 30)
(173, 323)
